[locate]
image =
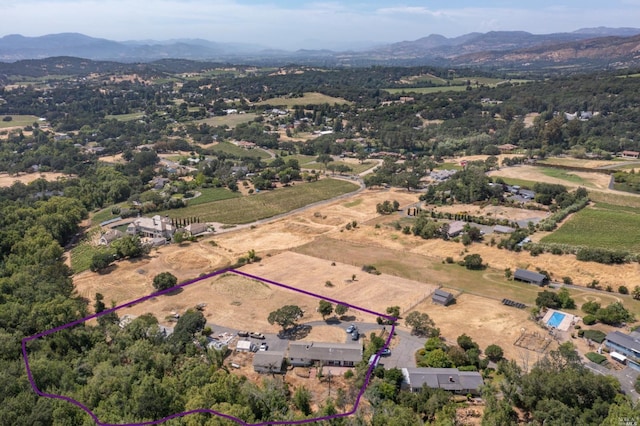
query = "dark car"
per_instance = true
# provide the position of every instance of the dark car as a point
(243, 333)
(385, 352)
(355, 335)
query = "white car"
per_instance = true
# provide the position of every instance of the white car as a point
(263, 347)
(351, 328)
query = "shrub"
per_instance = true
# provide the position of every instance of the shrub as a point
(594, 357)
(589, 320)
(348, 374)
(567, 280)
(595, 335)
(449, 259)
(623, 289)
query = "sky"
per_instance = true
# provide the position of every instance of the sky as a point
(294, 24)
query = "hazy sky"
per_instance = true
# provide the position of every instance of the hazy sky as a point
(301, 23)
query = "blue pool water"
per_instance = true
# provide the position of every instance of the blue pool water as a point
(555, 319)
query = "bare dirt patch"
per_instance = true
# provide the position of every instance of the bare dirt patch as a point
(499, 212)
(530, 118)
(373, 292)
(325, 333)
(8, 180)
(598, 181)
(486, 321)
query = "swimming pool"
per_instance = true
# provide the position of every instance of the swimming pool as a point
(555, 319)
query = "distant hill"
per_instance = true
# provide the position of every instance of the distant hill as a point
(594, 47)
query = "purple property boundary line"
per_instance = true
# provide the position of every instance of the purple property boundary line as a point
(204, 410)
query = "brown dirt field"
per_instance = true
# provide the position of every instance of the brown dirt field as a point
(6, 180)
(117, 159)
(486, 321)
(325, 333)
(598, 181)
(132, 280)
(368, 291)
(499, 212)
(530, 118)
(500, 157)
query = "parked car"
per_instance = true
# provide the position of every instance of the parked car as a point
(351, 328)
(385, 352)
(355, 335)
(256, 335)
(243, 333)
(264, 346)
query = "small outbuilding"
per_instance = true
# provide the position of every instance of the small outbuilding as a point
(442, 297)
(268, 362)
(244, 346)
(501, 229)
(455, 228)
(530, 277)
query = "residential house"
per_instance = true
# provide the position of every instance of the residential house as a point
(626, 345)
(450, 379)
(110, 236)
(441, 297)
(334, 354)
(530, 277)
(268, 362)
(630, 154)
(152, 227)
(507, 148)
(455, 228)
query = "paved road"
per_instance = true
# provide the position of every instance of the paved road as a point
(626, 377)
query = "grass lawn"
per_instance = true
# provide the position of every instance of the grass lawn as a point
(303, 159)
(615, 199)
(526, 184)
(229, 148)
(309, 98)
(231, 120)
(81, 256)
(209, 195)
(565, 175)
(126, 117)
(425, 90)
(603, 225)
(356, 168)
(18, 121)
(264, 204)
(448, 166)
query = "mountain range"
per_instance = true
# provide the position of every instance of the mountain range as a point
(601, 46)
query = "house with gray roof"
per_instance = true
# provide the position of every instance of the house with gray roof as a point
(268, 362)
(455, 228)
(530, 277)
(304, 354)
(449, 379)
(625, 344)
(110, 236)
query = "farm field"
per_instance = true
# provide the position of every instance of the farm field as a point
(18, 121)
(578, 162)
(229, 148)
(231, 120)
(425, 90)
(593, 181)
(601, 225)
(27, 178)
(264, 204)
(308, 98)
(126, 117)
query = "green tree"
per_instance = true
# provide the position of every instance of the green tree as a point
(341, 309)
(437, 359)
(494, 353)
(466, 342)
(473, 261)
(164, 281)
(285, 317)
(421, 324)
(548, 299)
(302, 400)
(101, 260)
(325, 308)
